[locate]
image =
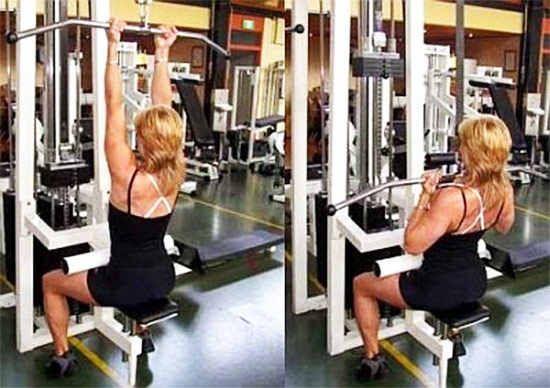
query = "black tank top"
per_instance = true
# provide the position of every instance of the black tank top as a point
(456, 251)
(137, 242)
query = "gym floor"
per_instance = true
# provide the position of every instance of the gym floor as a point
(230, 331)
(510, 350)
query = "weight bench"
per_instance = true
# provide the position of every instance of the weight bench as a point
(146, 315)
(203, 162)
(459, 318)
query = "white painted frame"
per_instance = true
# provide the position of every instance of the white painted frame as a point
(341, 227)
(301, 302)
(28, 224)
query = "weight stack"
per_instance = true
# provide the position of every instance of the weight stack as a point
(356, 262)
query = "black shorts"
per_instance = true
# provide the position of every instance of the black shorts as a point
(126, 286)
(426, 291)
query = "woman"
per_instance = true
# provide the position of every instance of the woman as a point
(445, 226)
(143, 193)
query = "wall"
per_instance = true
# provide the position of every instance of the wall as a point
(273, 46)
(443, 13)
(490, 52)
(273, 50)
(191, 17)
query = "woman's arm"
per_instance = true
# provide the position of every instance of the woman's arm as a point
(432, 217)
(119, 155)
(161, 89)
(508, 215)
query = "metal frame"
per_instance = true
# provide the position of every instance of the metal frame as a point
(255, 70)
(15, 36)
(29, 225)
(301, 302)
(341, 335)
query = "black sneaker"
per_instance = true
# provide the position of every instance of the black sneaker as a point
(61, 366)
(372, 368)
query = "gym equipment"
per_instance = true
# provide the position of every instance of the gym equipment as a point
(85, 261)
(277, 144)
(458, 318)
(505, 110)
(342, 228)
(512, 261)
(45, 226)
(332, 209)
(144, 315)
(269, 125)
(200, 257)
(245, 98)
(98, 258)
(298, 28)
(202, 161)
(14, 36)
(395, 265)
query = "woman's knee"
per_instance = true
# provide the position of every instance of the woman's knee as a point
(360, 284)
(49, 281)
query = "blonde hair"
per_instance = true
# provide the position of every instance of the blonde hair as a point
(485, 146)
(160, 132)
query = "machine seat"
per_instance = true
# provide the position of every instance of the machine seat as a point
(154, 311)
(463, 316)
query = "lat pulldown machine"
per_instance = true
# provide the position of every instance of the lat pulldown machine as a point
(29, 225)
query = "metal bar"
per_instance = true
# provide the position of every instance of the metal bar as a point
(415, 89)
(10, 116)
(362, 106)
(24, 180)
(50, 107)
(528, 171)
(390, 153)
(78, 86)
(340, 26)
(102, 181)
(299, 61)
(546, 117)
(332, 209)
(61, 78)
(323, 103)
(14, 36)
(459, 42)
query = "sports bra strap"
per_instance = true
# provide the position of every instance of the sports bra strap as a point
(129, 196)
(157, 203)
(482, 209)
(154, 182)
(159, 200)
(479, 217)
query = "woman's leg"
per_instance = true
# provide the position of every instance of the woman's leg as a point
(56, 287)
(367, 290)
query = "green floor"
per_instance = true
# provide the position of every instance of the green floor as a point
(511, 350)
(230, 331)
